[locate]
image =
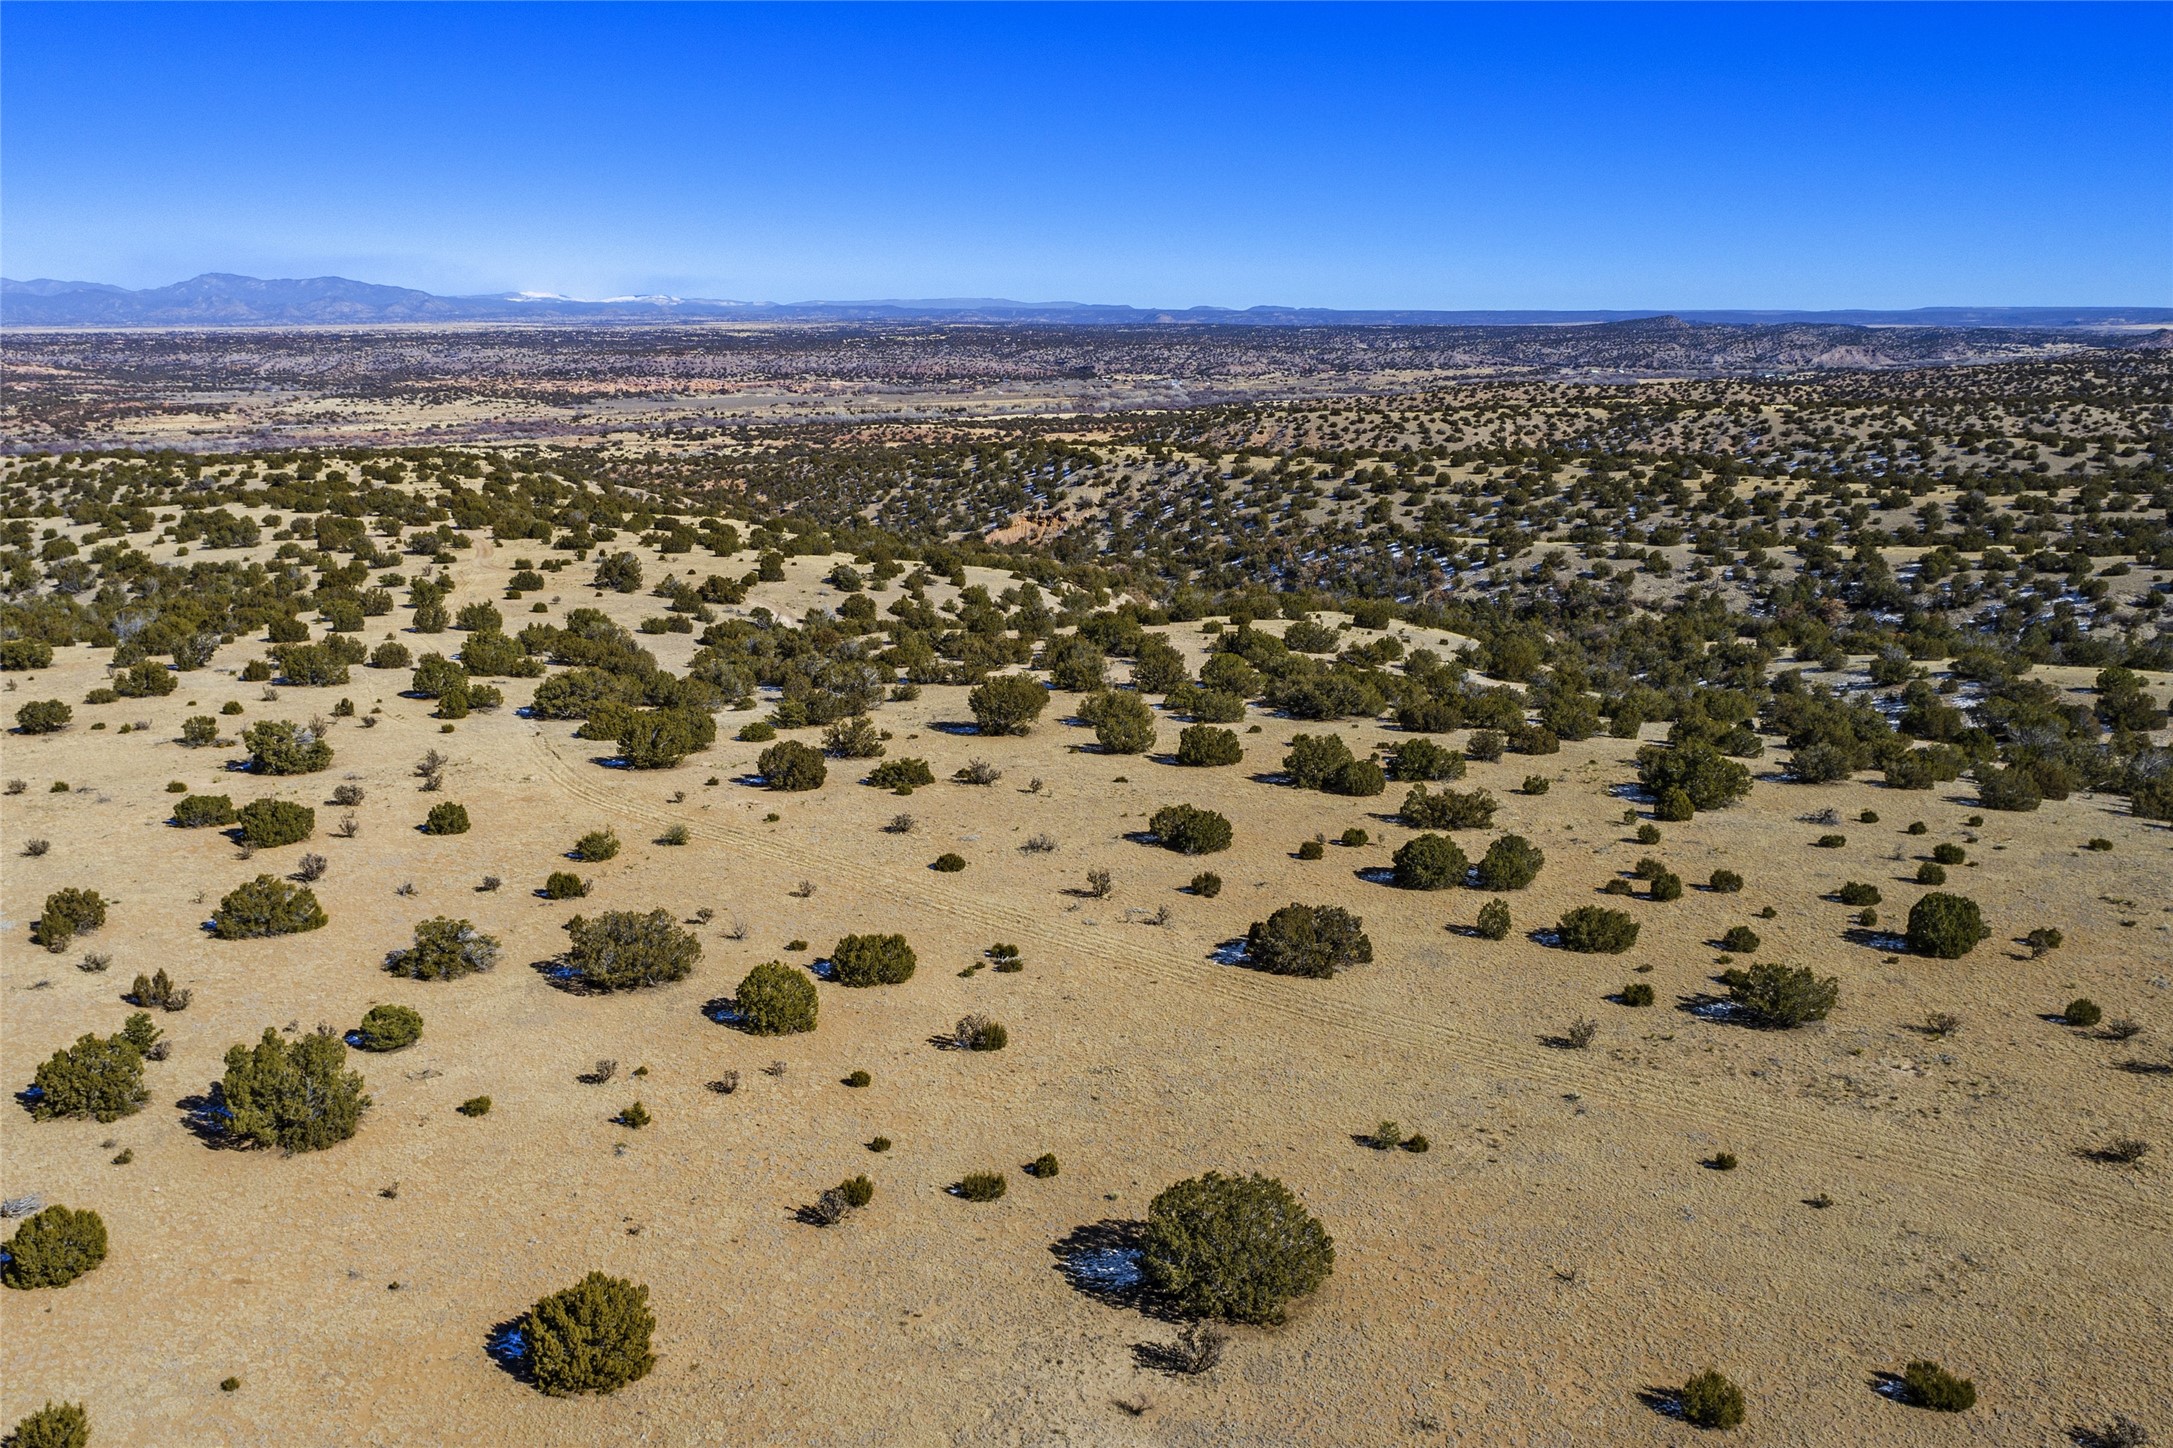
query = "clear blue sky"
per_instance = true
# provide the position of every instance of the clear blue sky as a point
(1361, 156)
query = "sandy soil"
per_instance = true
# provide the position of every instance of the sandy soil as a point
(1560, 1249)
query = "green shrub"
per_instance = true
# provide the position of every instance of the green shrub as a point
(1123, 723)
(1666, 886)
(979, 1033)
(474, 1106)
(1740, 940)
(1510, 863)
(43, 716)
(1710, 1400)
(389, 1028)
(1945, 927)
(56, 1425)
(661, 738)
(948, 863)
(1430, 862)
(1932, 1386)
(1857, 894)
(593, 1337)
(1702, 772)
(1190, 831)
(902, 775)
(264, 907)
(981, 1186)
(1316, 759)
(623, 949)
(1043, 1166)
(99, 1077)
(1311, 850)
(199, 730)
(775, 1000)
(69, 913)
(1448, 810)
(1596, 930)
(858, 1080)
(792, 766)
(564, 885)
(54, 1247)
(1494, 920)
(1930, 874)
(1207, 885)
(1008, 704)
(446, 819)
(1948, 853)
(1726, 882)
(756, 732)
(1308, 940)
(1205, 746)
(634, 1117)
(1637, 993)
(2082, 1011)
(2007, 789)
(860, 960)
(203, 811)
(1674, 806)
(277, 746)
(1486, 745)
(296, 1095)
(1354, 838)
(22, 655)
(596, 846)
(1422, 760)
(854, 738)
(138, 1031)
(1780, 998)
(858, 1191)
(1236, 1248)
(270, 823)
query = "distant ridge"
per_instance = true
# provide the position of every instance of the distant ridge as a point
(219, 299)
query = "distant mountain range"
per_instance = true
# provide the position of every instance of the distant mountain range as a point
(218, 299)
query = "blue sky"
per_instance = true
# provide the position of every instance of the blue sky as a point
(1350, 155)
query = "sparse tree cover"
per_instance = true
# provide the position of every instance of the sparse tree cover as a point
(1007, 704)
(265, 907)
(593, 1337)
(99, 1077)
(1235, 1248)
(1190, 831)
(1308, 940)
(872, 960)
(1946, 927)
(775, 1000)
(793, 767)
(278, 746)
(625, 949)
(54, 1247)
(295, 1095)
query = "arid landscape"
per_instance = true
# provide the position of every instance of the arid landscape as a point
(1711, 681)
